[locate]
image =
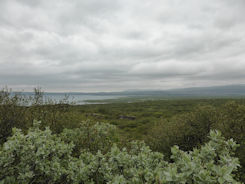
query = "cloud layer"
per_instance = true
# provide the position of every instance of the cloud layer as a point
(113, 45)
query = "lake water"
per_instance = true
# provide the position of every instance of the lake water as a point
(77, 98)
(81, 98)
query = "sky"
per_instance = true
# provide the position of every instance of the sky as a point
(116, 45)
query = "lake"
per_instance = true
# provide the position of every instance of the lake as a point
(77, 98)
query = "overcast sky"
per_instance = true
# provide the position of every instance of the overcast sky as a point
(114, 45)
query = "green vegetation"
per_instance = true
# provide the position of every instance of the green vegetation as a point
(42, 157)
(76, 148)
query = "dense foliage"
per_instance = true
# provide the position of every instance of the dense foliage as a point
(42, 157)
(18, 110)
(190, 129)
(160, 124)
(91, 137)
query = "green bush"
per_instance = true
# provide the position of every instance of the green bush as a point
(231, 122)
(12, 113)
(91, 136)
(18, 110)
(42, 157)
(190, 130)
(38, 157)
(187, 130)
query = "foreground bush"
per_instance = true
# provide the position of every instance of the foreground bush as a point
(19, 110)
(190, 129)
(91, 137)
(43, 157)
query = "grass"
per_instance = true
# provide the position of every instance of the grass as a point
(145, 112)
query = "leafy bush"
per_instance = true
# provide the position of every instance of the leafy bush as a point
(186, 130)
(91, 137)
(231, 122)
(38, 157)
(43, 157)
(18, 110)
(190, 130)
(11, 114)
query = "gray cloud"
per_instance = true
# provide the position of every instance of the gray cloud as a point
(111, 45)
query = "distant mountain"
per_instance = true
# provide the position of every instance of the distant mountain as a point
(231, 90)
(219, 91)
(215, 91)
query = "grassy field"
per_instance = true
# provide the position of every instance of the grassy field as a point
(134, 119)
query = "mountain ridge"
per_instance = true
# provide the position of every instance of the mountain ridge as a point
(227, 90)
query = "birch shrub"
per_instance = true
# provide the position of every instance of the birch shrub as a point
(91, 137)
(42, 157)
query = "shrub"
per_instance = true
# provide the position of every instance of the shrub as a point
(187, 130)
(91, 136)
(37, 157)
(11, 112)
(18, 110)
(43, 157)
